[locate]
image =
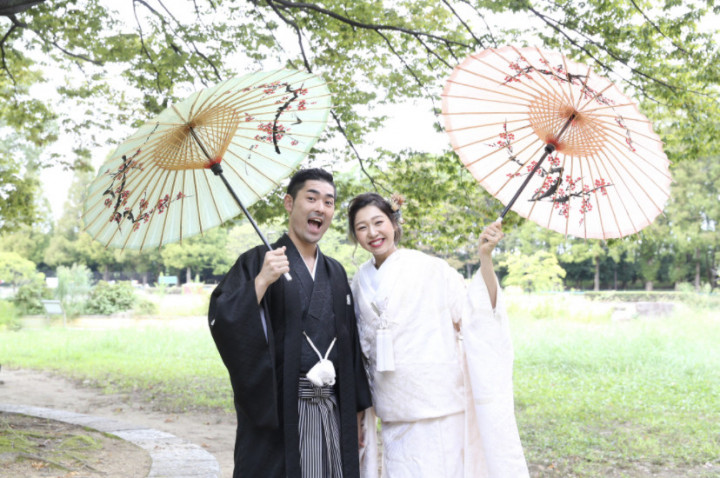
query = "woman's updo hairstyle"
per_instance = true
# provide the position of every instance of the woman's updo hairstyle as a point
(392, 211)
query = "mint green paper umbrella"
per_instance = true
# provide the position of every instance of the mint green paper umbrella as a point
(160, 185)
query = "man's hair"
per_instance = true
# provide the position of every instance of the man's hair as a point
(298, 180)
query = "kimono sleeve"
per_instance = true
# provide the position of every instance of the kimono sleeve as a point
(237, 329)
(363, 398)
(455, 291)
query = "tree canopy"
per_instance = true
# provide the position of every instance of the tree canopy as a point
(88, 72)
(120, 62)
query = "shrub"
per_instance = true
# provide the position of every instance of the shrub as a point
(145, 306)
(73, 287)
(534, 273)
(8, 316)
(108, 298)
(28, 298)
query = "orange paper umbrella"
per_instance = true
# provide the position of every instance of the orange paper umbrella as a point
(555, 142)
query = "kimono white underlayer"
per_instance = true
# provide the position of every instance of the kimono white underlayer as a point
(460, 386)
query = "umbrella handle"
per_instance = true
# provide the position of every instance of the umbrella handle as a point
(550, 148)
(217, 169)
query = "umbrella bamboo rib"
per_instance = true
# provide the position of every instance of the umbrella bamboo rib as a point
(212, 197)
(255, 97)
(257, 170)
(153, 216)
(182, 202)
(552, 207)
(464, 97)
(506, 147)
(225, 95)
(582, 187)
(621, 177)
(568, 98)
(257, 153)
(261, 100)
(640, 186)
(622, 145)
(610, 203)
(465, 128)
(505, 81)
(495, 135)
(603, 106)
(167, 210)
(241, 178)
(599, 209)
(197, 200)
(99, 203)
(287, 133)
(517, 170)
(492, 81)
(650, 137)
(572, 169)
(285, 148)
(644, 121)
(596, 95)
(487, 100)
(119, 223)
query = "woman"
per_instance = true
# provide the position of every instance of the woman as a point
(444, 412)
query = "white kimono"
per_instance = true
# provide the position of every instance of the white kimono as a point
(446, 404)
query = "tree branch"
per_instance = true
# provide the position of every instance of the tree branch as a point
(467, 27)
(191, 44)
(550, 23)
(492, 37)
(78, 56)
(657, 28)
(2, 50)
(144, 49)
(297, 29)
(366, 26)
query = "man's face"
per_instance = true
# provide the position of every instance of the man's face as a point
(310, 212)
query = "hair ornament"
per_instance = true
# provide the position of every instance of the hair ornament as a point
(396, 201)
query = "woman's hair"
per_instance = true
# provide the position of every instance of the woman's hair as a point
(372, 199)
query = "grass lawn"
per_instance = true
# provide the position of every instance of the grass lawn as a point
(595, 398)
(632, 398)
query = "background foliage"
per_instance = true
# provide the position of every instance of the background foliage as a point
(79, 74)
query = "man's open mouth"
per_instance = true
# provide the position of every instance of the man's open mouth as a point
(315, 223)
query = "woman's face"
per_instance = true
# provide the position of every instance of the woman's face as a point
(375, 233)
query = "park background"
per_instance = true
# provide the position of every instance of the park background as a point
(616, 341)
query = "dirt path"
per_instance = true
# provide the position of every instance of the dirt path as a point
(215, 433)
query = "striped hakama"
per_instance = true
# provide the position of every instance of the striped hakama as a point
(319, 432)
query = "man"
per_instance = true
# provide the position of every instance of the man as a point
(270, 333)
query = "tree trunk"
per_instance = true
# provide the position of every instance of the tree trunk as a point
(144, 278)
(106, 273)
(188, 275)
(649, 285)
(697, 269)
(596, 286)
(615, 279)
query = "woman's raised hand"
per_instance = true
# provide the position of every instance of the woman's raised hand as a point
(489, 238)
